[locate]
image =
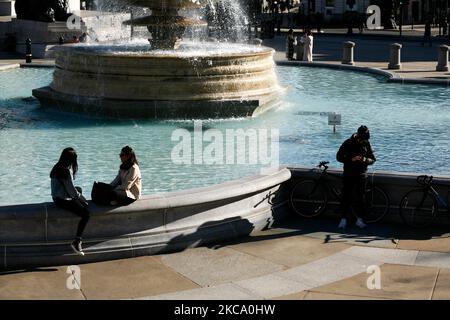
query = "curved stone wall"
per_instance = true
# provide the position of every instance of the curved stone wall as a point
(40, 234)
(105, 81)
(394, 184)
(165, 77)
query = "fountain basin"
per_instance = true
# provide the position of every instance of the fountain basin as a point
(134, 82)
(39, 234)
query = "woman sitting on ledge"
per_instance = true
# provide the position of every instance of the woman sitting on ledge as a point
(127, 184)
(66, 196)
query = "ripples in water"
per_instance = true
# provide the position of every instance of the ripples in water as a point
(409, 125)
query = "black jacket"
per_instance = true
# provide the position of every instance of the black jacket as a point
(351, 148)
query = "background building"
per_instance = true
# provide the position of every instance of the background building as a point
(409, 11)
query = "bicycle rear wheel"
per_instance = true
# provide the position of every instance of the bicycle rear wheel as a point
(377, 204)
(418, 208)
(308, 198)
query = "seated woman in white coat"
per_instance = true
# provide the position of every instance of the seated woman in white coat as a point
(127, 185)
(308, 43)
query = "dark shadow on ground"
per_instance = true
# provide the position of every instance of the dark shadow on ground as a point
(216, 234)
(326, 229)
(28, 270)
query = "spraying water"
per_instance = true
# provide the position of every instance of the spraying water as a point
(227, 20)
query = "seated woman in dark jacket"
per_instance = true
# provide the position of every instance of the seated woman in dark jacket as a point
(66, 196)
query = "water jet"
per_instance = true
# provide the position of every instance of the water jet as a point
(167, 78)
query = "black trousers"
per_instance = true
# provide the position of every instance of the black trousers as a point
(77, 207)
(354, 185)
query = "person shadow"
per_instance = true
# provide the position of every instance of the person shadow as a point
(232, 230)
(387, 233)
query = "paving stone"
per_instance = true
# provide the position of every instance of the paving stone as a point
(327, 270)
(354, 239)
(293, 296)
(271, 286)
(131, 278)
(312, 295)
(438, 244)
(392, 256)
(442, 289)
(41, 284)
(221, 292)
(397, 282)
(208, 267)
(290, 251)
(434, 259)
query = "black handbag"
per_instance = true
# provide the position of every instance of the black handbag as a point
(101, 193)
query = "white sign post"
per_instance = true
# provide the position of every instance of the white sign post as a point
(334, 120)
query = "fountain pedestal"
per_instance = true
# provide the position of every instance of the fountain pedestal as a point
(128, 81)
(164, 24)
(153, 85)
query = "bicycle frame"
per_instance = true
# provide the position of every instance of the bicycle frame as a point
(319, 192)
(427, 183)
(321, 181)
(438, 197)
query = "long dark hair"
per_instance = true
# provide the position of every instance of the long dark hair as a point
(132, 161)
(68, 160)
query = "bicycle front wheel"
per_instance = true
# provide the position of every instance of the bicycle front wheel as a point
(308, 198)
(377, 204)
(418, 208)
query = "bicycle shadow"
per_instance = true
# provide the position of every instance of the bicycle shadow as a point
(386, 235)
(379, 234)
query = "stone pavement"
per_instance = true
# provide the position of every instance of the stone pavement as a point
(12, 60)
(408, 31)
(296, 259)
(419, 62)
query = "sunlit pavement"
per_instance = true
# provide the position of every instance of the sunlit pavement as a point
(418, 62)
(297, 259)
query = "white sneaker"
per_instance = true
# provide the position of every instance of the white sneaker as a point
(76, 247)
(360, 223)
(343, 224)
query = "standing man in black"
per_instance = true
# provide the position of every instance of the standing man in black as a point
(356, 154)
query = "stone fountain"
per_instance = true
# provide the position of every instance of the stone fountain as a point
(165, 25)
(166, 79)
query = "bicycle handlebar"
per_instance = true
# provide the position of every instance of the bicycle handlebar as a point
(424, 180)
(323, 164)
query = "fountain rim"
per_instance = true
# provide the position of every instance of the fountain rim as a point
(169, 55)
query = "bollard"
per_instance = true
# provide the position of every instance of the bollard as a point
(347, 57)
(442, 58)
(395, 57)
(28, 53)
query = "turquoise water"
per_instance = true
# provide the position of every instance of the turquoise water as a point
(409, 125)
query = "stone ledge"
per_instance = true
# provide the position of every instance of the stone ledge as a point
(9, 66)
(39, 234)
(339, 66)
(154, 109)
(391, 76)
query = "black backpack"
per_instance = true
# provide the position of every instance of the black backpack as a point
(102, 193)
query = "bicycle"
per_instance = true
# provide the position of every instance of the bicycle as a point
(419, 206)
(309, 198)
